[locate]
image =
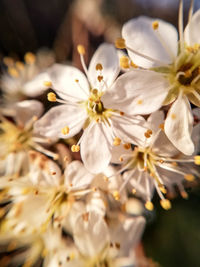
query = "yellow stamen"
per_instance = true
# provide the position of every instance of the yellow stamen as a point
(99, 66)
(124, 62)
(127, 146)
(47, 83)
(161, 126)
(51, 97)
(100, 78)
(134, 65)
(117, 141)
(121, 159)
(165, 203)
(149, 205)
(65, 130)
(13, 72)
(149, 131)
(163, 189)
(155, 25)
(75, 148)
(184, 194)
(116, 195)
(29, 58)
(81, 49)
(139, 102)
(197, 160)
(19, 65)
(147, 135)
(189, 177)
(134, 191)
(120, 43)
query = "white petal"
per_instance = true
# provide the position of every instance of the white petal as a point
(139, 35)
(137, 92)
(36, 86)
(27, 109)
(91, 236)
(56, 118)
(64, 82)
(191, 33)
(178, 125)
(76, 175)
(95, 149)
(106, 54)
(155, 120)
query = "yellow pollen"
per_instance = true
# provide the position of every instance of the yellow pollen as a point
(134, 191)
(100, 78)
(163, 189)
(29, 58)
(75, 148)
(149, 131)
(189, 177)
(19, 65)
(65, 130)
(149, 205)
(124, 62)
(139, 102)
(81, 49)
(134, 65)
(99, 66)
(117, 141)
(166, 204)
(8, 61)
(120, 43)
(51, 97)
(188, 73)
(127, 146)
(121, 159)
(147, 135)
(184, 194)
(13, 72)
(116, 195)
(197, 160)
(161, 126)
(173, 116)
(155, 25)
(47, 83)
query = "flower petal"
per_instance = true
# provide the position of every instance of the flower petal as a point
(178, 125)
(91, 235)
(57, 118)
(36, 86)
(27, 109)
(139, 35)
(106, 55)
(95, 148)
(76, 175)
(64, 79)
(137, 92)
(191, 33)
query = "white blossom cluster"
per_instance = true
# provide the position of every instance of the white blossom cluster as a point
(131, 121)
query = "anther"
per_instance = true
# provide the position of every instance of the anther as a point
(120, 43)
(116, 195)
(19, 65)
(85, 216)
(75, 148)
(121, 159)
(29, 58)
(65, 130)
(162, 189)
(149, 205)
(8, 61)
(197, 160)
(13, 72)
(173, 116)
(133, 191)
(184, 194)
(100, 78)
(127, 146)
(117, 141)
(161, 126)
(165, 203)
(99, 66)
(47, 83)
(147, 135)
(155, 25)
(139, 102)
(81, 49)
(51, 97)
(133, 65)
(124, 62)
(189, 177)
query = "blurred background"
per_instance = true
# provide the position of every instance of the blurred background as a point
(171, 238)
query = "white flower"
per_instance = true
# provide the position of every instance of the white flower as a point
(154, 44)
(83, 108)
(156, 164)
